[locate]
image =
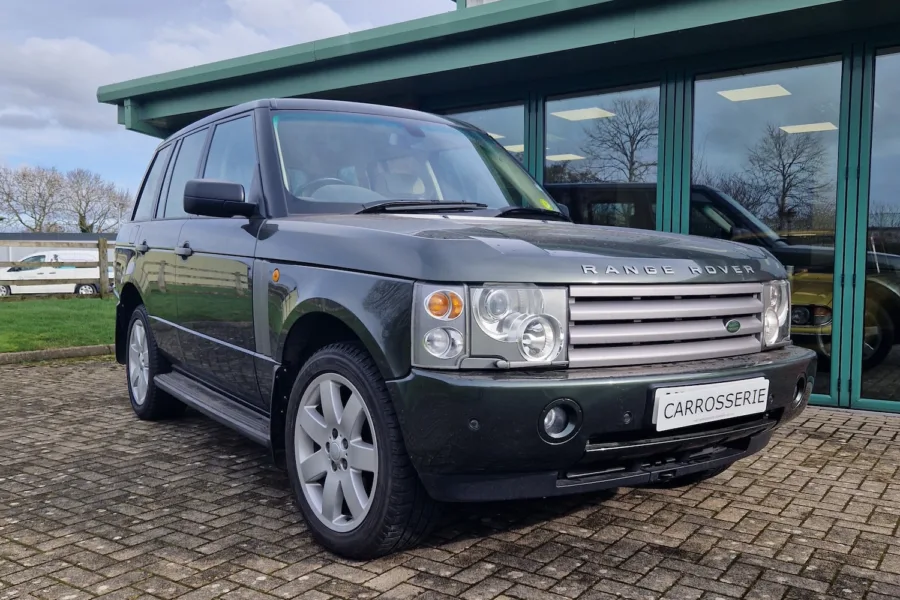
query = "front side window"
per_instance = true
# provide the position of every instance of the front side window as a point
(343, 160)
(232, 153)
(185, 169)
(143, 209)
(37, 260)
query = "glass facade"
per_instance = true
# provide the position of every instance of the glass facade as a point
(764, 172)
(798, 157)
(880, 358)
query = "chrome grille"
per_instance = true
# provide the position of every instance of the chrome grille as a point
(623, 325)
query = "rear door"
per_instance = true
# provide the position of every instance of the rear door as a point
(215, 306)
(149, 253)
(163, 232)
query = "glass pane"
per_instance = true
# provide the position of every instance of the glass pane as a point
(880, 359)
(505, 124)
(765, 173)
(185, 169)
(601, 156)
(232, 153)
(144, 205)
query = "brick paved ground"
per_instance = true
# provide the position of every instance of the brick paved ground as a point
(94, 503)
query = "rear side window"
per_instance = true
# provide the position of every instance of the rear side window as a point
(143, 209)
(232, 153)
(185, 169)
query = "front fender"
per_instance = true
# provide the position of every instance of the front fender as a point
(376, 308)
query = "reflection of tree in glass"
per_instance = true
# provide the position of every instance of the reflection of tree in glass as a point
(623, 147)
(789, 167)
(564, 172)
(783, 181)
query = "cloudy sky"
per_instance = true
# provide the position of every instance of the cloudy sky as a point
(55, 53)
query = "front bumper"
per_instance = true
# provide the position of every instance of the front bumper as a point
(475, 436)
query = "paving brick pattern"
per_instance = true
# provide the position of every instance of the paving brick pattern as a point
(94, 503)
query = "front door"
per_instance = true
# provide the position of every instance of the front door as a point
(215, 304)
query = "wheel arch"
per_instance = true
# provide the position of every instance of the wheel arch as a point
(313, 325)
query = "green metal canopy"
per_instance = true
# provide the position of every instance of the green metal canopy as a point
(488, 52)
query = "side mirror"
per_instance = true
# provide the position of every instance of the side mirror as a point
(214, 198)
(564, 210)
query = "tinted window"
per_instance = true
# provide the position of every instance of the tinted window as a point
(232, 154)
(615, 205)
(185, 169)
(144, 207)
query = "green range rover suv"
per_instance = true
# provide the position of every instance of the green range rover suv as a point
(390, 304)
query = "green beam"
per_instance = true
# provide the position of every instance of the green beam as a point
(130, 117)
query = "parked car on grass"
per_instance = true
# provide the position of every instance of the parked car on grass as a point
(72, 279)
(387, 301)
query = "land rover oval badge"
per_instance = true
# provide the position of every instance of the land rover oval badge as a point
(733, 326)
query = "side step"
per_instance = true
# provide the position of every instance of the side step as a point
(247, 422)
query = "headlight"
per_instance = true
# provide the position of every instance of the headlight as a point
(776, 313)
(519, 324)
(497, 326)
(810, 315)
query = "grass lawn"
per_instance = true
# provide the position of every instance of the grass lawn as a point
(44, 323)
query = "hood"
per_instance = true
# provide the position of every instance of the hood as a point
(491, 249)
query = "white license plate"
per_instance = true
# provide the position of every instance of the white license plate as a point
(687, 405)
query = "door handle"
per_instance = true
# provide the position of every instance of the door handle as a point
(184, 250)
(142, 248)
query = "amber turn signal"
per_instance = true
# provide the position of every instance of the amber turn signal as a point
(444, 305)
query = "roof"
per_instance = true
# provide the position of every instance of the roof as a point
(505, 47)
(314, 104)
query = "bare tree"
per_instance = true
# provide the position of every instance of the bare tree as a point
(92, 204)
(624, 147)
(788, 169)
(31, 196)
(563, 172)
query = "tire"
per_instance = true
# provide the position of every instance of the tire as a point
(85, 289)
(875, 354)
(143, 362)
(392, 509)
(686, 480)
(5, 291)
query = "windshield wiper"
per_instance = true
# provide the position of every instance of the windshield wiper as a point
(514, 211)
(417, 206)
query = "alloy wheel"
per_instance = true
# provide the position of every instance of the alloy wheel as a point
(336, 452)
(138, 362)
(4, 291)
(85, 290)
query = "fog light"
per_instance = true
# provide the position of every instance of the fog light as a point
(800, 315)
(556, 421)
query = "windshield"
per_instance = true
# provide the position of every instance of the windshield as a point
(339, 161)
(754, 230)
